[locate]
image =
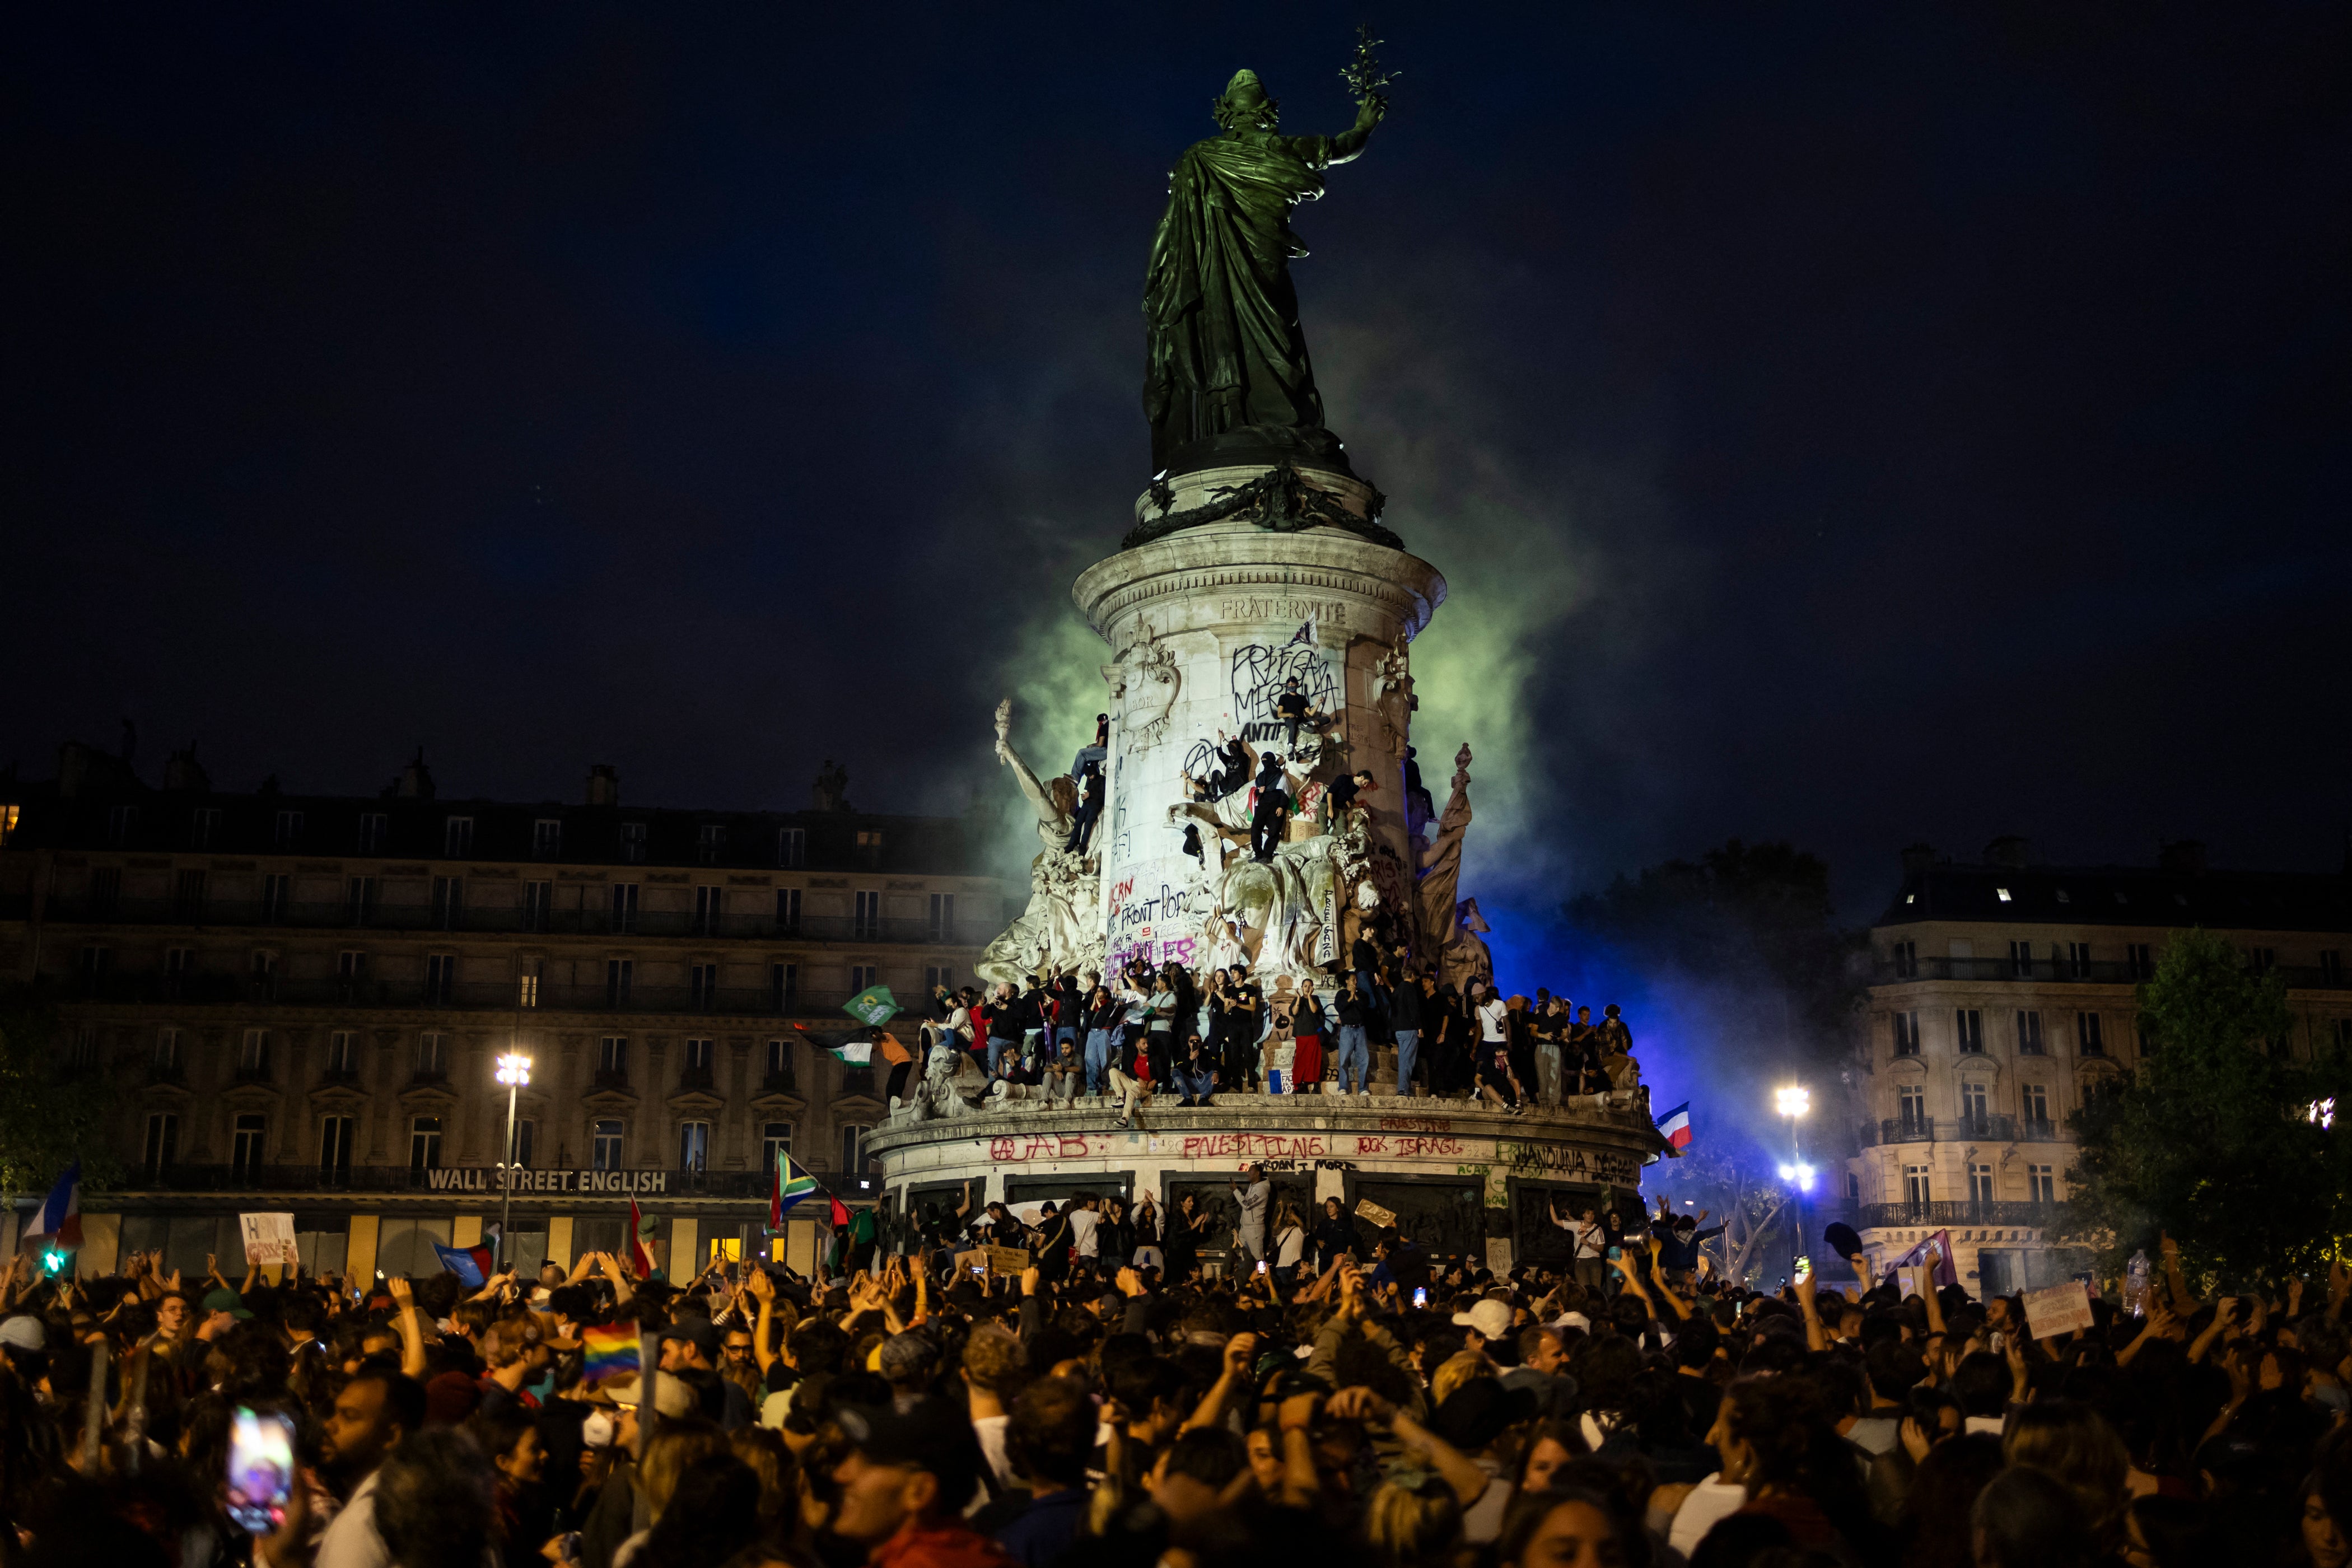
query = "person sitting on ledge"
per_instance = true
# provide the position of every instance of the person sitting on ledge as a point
(1196, 1074)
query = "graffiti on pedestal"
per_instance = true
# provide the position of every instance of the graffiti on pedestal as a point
(1151, 927)
(1259, 670)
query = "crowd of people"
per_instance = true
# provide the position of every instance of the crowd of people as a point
(1149, 1032)
(1368, 1409)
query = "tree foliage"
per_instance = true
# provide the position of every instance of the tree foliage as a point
(2212, 1140)
(48, 1117)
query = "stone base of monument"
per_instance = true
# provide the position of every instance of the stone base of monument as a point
(1462, 1180)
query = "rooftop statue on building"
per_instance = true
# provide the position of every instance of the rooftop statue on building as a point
(1227, 377)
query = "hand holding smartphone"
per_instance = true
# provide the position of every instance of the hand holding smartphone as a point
(260, 1470)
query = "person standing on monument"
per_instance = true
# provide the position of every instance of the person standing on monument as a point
(1103, 1015)
(1353, 1009)
(1252, 1201)
(1404, 1026)
(1270, 813)
(1308, 1020)
(1082, 824)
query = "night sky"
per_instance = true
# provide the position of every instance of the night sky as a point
(1841, 424)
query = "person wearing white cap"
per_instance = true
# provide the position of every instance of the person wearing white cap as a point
(1487, 1322)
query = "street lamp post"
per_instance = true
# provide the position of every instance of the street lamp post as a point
(1794, 1103)
(514, 1071)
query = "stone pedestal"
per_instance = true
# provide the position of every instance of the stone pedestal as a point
(1206, 626)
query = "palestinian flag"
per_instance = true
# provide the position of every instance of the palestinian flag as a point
(856, 1053)
(641, 1232)
(791, 1184)
(873, 1006)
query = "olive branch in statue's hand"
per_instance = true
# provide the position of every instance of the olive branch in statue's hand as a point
(1363, 72)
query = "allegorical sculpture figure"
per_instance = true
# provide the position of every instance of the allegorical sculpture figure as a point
(1226, 377)
(1057, 934)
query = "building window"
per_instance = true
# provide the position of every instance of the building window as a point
(697, 1055)
(372, 825)
(440, 978)
(96, 961)
(167, 1050)
(869, 846)
(2078, 960)
(449, 902)
(788, 909)
(121, 825)
(344, 1051)
(624, 906)
(162, 1143)
(359, 900)
(527, 989)
(781, 1075)
(537, 902)
(253, 1054)
(852, 1149)
(2261, 960)
(2331, 963)
(264, 975)
(620, 975)
(943, 917)
(775, 1141)
(1969, 1023)
(432, 1054)
(2029, 1032)
(2021, 960)
(605, 1145)
(188, 897)
(2087, 1035)
(179, 962)
(350, 969)
(784, 987)
(710, 844)
(862, 977)
(2343, 1034)
(1906, 961)
(633, 843)
(702, 986)
(525, 1137)
(105, 891)
(867, 923)
(244, 1150)
(335, 1145)
(2036, 1100)
(547, 838)
(425, 1143)
(1916, 1187)
(792, 847)
(1907, 1034)
(289, 830)
(82, 1055)
(457, 837)
(613, 1055)
(1973, 1111)
(935, 976)
(694, 1145)
(1981, 1184)
(1911, 1110)
(706, 903)
(203, 822)
(2041, 1183)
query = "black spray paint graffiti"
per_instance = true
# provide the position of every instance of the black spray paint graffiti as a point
(1259, 670)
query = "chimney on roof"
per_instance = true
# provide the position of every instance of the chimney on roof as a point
(2182, 855)
(416, 781)
(2010, 850)
(603, 784)
(183, 772)
(1919, 858)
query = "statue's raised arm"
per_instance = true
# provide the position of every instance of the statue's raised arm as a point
(1049, 810)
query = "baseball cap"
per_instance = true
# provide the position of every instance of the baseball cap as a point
(671, 1396)
(1492, 1318)
(225, 1300)
(24, 1333)
(699, 1332)
(926, 1433)
(1476, 1414)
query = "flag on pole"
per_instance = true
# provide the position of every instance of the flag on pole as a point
(1675, 1129)
(788, 1186)
(57, 1222)
(641, 1258)
(839, 1218)
(465, 1263)
(856, 1053)
(608, 1352)
(873, 1006)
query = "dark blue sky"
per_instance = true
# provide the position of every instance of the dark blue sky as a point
(1848, 424)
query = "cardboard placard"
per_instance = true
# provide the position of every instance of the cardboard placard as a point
(1005, 1262)
(1498, 1255)
(1367, 1209)
(2058, 1309)
(269, 1237)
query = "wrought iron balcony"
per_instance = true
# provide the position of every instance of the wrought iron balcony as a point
(1997, 1212)
(759, 925)
(2001, 1129)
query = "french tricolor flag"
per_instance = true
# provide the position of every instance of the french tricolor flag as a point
(1674, 1127)
(57, 1222)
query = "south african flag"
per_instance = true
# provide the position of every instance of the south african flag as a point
(790, 1185)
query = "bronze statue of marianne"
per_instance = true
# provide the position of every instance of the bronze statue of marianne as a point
(1226, 377)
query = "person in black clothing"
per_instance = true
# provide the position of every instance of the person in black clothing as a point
(1082, 826)
(1192, 844)
(1270, 821)
(1293, 709)
(1404, 1026)
(1334, 1233)
(1236, 770)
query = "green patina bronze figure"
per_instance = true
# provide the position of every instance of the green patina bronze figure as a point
(1227, 379)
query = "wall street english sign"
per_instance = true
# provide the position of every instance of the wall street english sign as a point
(591, 1184)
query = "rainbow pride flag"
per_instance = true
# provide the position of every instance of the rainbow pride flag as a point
(609, 1351)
